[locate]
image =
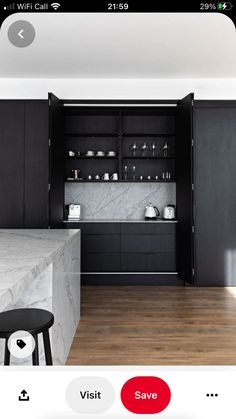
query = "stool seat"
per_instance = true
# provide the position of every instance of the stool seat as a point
(32, 320)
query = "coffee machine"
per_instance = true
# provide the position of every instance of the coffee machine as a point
(74, 212)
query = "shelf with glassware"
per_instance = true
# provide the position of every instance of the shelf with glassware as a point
(136, 161)
(150, 159)
(120, 144)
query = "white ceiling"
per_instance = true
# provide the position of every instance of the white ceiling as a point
(168, 45)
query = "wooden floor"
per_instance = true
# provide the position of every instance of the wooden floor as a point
(154, 325)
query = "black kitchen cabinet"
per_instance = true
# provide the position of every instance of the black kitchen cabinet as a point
(148, 262)
(102, 243)
(12, 139)
(122, 249)
(145, 243)
(201, 148)
(148, 247)
(100, 247)
(100, 263)
(214, 193)
(24, 165)
(148, 228)
(36, 136)
(184, 187)
(56, 134)
(36, 165)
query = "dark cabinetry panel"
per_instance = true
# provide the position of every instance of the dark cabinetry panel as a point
(12, 164)
(100, 246)
(107, 243)
(24, 172)
(215, 197)
(101, 262)
(148, 228)
(56, 130)
(88, 121)
(148, 247)
(145, 243)
(149, 121)
(99, 228)
(184, 181)
(36, 164)
(127, 247)
(148, 262)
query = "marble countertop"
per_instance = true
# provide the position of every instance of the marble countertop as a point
(24, 254)
(158, 220)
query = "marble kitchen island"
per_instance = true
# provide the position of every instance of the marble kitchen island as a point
(41, 269)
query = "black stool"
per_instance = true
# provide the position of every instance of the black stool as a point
(32, 320)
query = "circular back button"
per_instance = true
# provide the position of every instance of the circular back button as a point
(145, 395)
(21, 33)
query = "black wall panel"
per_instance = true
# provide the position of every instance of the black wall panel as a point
(12, 160)
(36, 164)
(215, 195)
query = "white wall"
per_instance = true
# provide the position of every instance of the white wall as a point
(118, 88)
(118, 45)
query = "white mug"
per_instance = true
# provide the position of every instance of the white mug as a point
(114, 176)
(71, 153)
(105, 176)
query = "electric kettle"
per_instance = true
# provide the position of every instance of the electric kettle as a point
(151, 212)
(169, 212)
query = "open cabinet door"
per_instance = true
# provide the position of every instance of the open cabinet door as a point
(56, 121)
(184, 188)
(214, 193)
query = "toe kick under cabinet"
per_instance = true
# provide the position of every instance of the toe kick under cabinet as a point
(128, 252)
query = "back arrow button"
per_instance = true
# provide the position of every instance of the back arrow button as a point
(20, 33)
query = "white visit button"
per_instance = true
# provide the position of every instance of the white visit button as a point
(90, 395)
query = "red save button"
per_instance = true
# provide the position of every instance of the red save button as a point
(145, 395)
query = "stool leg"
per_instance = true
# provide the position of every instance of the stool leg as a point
(7, 354)
(47, 348)
(35, 354)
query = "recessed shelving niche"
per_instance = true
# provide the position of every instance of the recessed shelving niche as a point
(142, 138)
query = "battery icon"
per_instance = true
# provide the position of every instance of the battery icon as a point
(224, 5)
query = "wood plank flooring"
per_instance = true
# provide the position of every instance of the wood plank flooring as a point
(154, 325)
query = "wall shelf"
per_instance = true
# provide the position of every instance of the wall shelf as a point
(90, 135)
(103, 129)
(119, 181)
(91, 158)
(138, 135)
(147, 158)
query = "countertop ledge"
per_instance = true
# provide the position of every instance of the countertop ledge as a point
(158, 220)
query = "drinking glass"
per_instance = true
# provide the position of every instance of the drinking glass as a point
(144, 149)
(165, 149)
(153, 149)
(134, 149)
(133, 171)
(126, 170)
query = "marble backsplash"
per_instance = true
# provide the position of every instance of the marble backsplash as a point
(119, 201)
